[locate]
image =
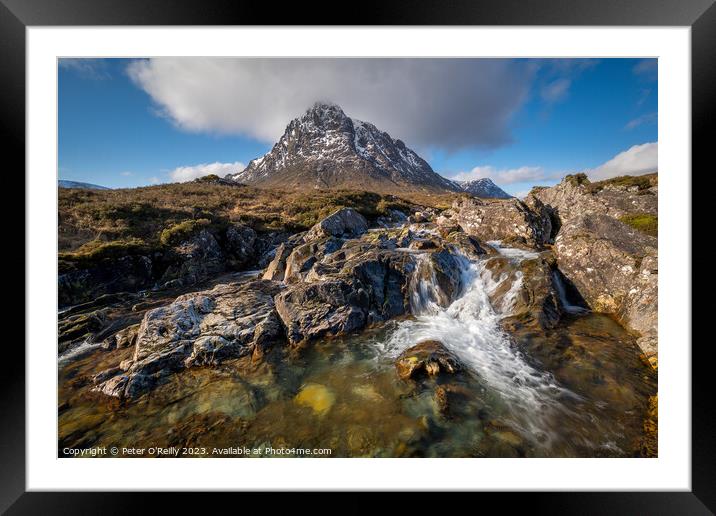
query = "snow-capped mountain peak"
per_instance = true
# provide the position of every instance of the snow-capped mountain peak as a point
(325, 148)
(483, 187)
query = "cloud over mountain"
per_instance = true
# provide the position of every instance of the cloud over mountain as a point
(442, 103)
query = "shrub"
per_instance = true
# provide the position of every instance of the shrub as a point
(175, 234)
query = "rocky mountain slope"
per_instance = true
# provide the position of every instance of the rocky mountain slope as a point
(324, 148)
(484, 188)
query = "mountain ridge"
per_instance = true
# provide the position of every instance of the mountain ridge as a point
(324, 148)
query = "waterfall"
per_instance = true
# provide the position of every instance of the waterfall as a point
(562, 293)
(470, 328)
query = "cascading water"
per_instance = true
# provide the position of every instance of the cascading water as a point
(470, 328)
(563, 298)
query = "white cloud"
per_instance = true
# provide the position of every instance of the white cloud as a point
(154, 180)
(649, 118)
(126, 174)
(556, 90)
(637, 160)
(87, 68)
(443, 103)
(182, 174)
(506, 176)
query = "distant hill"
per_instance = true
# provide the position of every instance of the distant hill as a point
(62, 183)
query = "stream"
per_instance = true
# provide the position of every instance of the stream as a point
(578, 390)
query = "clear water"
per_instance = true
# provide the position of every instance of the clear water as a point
(579, 390)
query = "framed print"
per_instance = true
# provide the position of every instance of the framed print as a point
(448, 249)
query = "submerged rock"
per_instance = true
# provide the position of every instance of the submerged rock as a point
(429, 357)
(228, 321)
(317, 397)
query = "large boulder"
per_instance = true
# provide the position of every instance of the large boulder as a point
(615, 269)
(344, 223)
(512, 221)
(364, 281)
(228, 321)
(331, 307)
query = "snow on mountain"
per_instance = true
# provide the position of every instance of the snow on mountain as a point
(324, 148)
(483, 188)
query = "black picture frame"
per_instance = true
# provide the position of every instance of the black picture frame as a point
(700, 15)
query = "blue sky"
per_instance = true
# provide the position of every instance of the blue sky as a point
(126, 123)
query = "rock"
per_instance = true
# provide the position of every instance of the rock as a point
(122, 339)
(201, 328)
(524, 292)
(615, 269)
(344, 223)
(193, 260)
(80, 327)
(509, 220)
(302, 258)
(437, 278)
(331, 307)
(109, 276)
(277, 268)
(240, 244)
(317, 397)
(429, 357)
(575, 196)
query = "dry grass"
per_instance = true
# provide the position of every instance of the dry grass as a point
(154, 215)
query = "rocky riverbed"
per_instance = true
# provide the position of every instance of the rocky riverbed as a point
(495, 328)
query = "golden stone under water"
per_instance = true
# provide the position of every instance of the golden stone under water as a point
(317, 397)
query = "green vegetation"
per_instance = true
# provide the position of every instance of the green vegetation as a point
(641, 182)
(577, 179)
(643, 222)
(96, 250)
(178, 232)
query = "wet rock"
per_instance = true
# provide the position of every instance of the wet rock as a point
(317, 397)
(80, 327)
(201, 328)
(438, 276)
(615, 269)
(524, 292)
(509, 220)
(122, 339)
(429, 357)
(344, 223)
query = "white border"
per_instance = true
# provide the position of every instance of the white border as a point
(671, 470)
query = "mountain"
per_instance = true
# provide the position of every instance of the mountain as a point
(483, 188)
(324, 148)
(62, 183)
